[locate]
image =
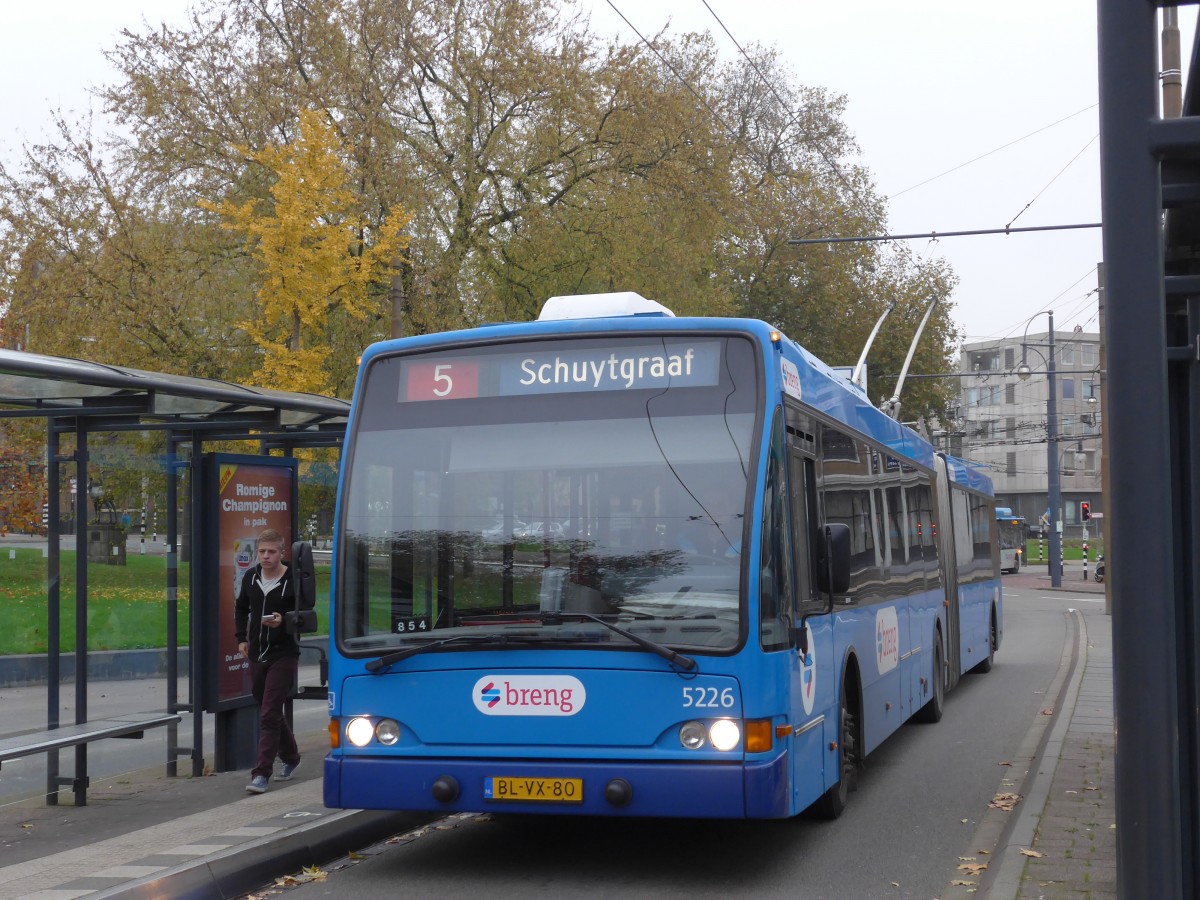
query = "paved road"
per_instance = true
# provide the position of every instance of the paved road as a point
(919, 810)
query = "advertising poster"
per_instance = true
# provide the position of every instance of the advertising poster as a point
(252, 495)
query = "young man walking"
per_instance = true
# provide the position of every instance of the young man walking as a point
(266, 593)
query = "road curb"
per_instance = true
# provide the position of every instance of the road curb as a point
(244, 868)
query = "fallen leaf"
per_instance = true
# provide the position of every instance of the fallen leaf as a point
(983, 852)
(895, 884)
(1006, 802)
(973, 868)
(1034, 853)
(958, 882)
(966, 859)
(1048, 711)
(28, 825)
(1005, 763)
(964, 821)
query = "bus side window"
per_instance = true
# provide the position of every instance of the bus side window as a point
(803, 491)
(776, 601)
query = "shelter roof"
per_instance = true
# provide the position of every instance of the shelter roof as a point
(117, 396)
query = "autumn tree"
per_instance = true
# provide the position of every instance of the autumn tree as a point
(22, 469)
(97, 262)
(532, 157)
(318, 256)
(797, 179)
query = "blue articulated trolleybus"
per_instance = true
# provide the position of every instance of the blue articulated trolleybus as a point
(614, 562)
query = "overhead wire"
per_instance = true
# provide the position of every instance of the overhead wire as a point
(990, 152)
(1052, 180)
(820, 221)
(716, 115)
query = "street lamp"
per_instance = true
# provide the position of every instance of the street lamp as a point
(1052, 476)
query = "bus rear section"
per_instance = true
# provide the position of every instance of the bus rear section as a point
(1013, 534)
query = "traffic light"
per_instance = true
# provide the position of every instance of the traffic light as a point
(1084, 512)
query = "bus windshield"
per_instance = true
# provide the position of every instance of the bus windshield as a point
(501, 492)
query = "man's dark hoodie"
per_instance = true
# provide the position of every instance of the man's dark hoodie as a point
(252, 605)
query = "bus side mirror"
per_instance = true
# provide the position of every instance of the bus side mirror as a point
(302, 567)
(833, 559)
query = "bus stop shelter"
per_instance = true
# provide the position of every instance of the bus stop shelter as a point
(77, 399)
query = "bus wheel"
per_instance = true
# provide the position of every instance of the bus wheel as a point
(1016, 569)
(931, 712)
(985, 664)
(834, 800)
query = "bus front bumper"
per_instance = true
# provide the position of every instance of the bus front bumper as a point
(599, 788)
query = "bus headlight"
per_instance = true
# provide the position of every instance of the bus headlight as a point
(725, 734)
(360, 731)
(388, 731)
(691, 735)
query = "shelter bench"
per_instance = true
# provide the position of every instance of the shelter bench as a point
(133, 725)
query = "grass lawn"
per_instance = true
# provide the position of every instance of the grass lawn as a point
(1072, 552)
(127, 605)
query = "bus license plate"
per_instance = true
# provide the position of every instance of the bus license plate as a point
(538, 790)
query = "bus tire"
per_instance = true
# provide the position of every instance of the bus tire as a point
(1016, 569)
(931, 712)
(985, 665)
(834, 800)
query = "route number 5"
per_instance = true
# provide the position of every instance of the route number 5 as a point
(441, 375)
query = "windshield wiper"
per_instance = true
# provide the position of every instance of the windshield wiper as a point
(684, 662)
(395, 656)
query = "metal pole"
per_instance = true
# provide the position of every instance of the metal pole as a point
(198, 645)
(1085, 551)
(1052, 464)
(81, 598)
(1172, 69)
(1156, 796)
(53, 600)
(173, 704)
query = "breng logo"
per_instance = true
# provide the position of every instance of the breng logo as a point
(808, 673)
(887, 640)
(528, 695)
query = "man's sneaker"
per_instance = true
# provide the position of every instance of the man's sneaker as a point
(257, 785)
(289, 769)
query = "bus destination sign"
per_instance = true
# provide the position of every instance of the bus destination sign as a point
(637, 367)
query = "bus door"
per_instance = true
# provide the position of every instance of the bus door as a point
(948, 568)
(813, 673)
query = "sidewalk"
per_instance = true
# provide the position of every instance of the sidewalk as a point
(1077, 835)
(148, 835)
(1062, 841)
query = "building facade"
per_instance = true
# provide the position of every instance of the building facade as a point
(1002, 422)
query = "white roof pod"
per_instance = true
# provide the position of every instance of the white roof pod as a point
(601, 306)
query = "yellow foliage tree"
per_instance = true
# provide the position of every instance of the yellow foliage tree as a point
(319, 254)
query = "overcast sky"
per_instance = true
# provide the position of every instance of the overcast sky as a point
(932, 86)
